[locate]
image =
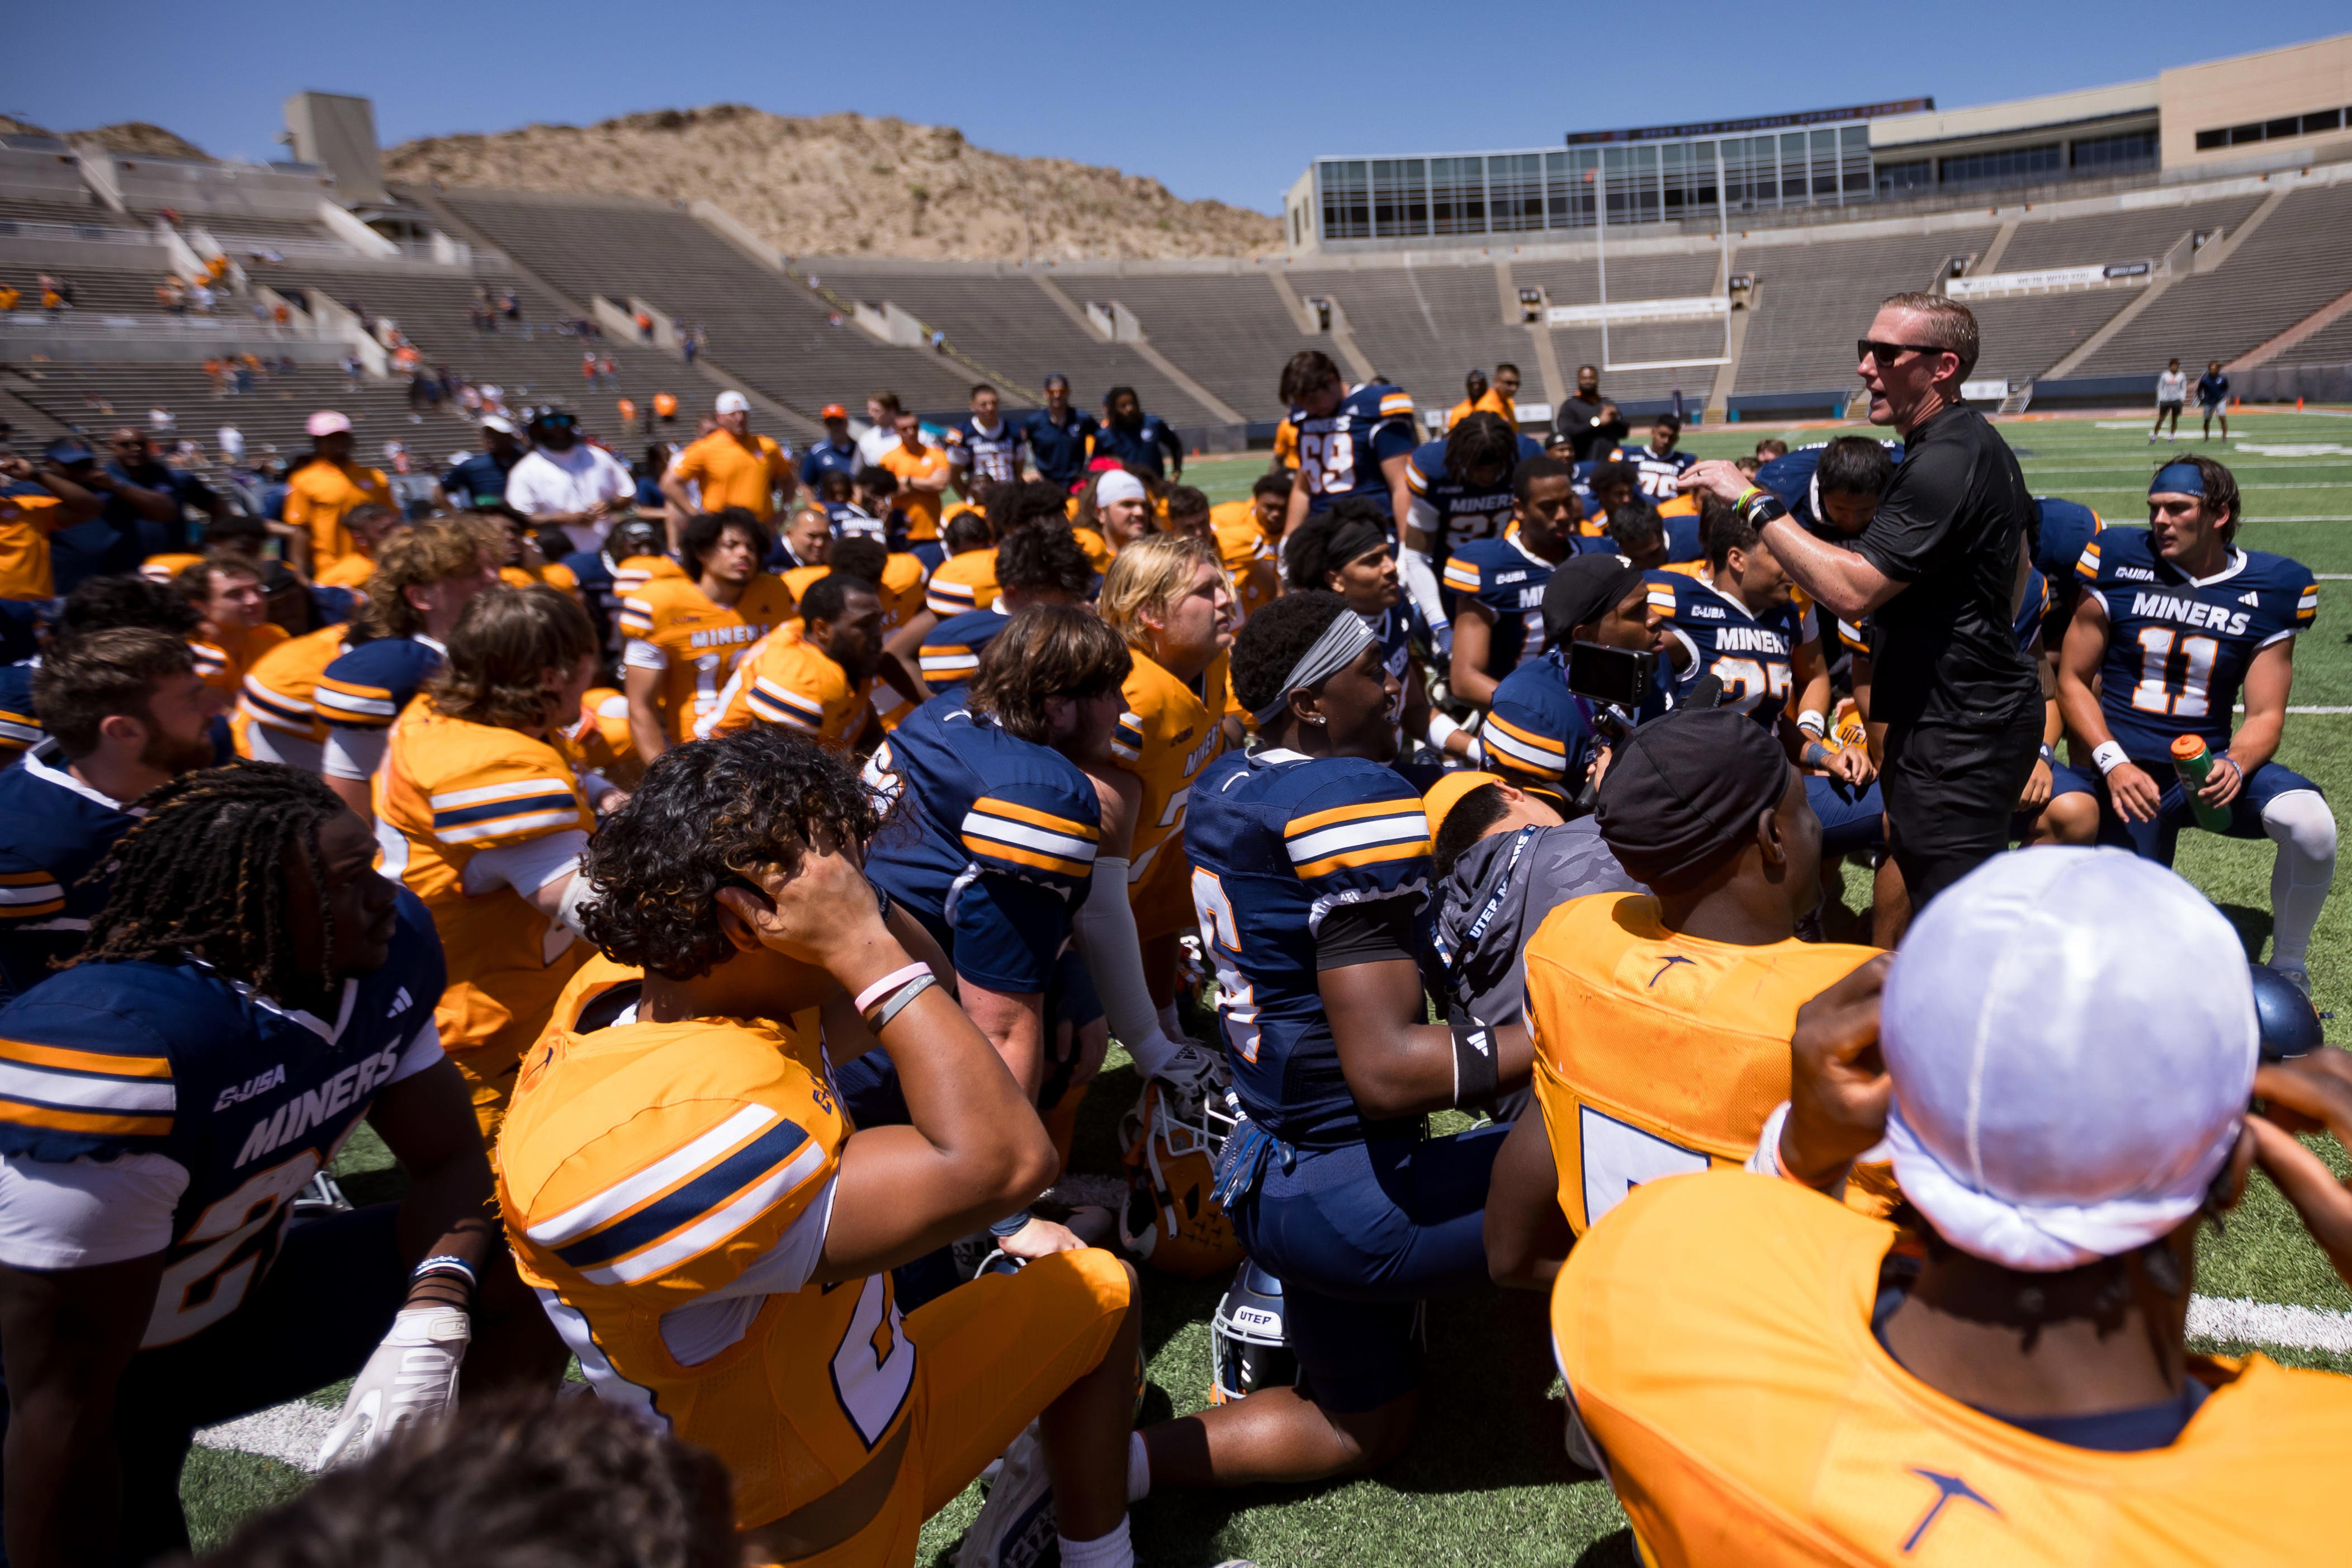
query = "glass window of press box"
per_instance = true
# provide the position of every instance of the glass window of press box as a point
(1643, 182)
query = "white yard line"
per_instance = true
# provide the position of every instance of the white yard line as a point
(2239, 1321)
(289, 1433)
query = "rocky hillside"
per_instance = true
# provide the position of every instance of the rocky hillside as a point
(844, 185)
(135, 137)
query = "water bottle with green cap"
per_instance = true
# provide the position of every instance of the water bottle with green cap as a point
(2194, 762)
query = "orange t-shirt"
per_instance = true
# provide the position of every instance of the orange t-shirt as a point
(26, 524)
(321, 495)
(734, 474)
(921, 507)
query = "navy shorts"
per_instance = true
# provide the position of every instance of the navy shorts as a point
(1852, 821)
(315, 1318)
(1358, 1236)
(2155, 841)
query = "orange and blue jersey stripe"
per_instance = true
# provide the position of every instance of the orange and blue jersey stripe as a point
(1324, 842)
(1518, 750)
(1004, 829)
(518, 806)
(68, 1091)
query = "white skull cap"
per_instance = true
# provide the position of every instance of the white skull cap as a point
(2071, 1037)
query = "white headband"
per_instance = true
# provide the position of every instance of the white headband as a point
(1118, 485)
(1341, 642)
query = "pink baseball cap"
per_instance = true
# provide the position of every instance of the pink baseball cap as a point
(327, 422)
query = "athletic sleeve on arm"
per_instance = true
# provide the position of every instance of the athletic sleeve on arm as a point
(1366, 933)
(528, 864)
(83, 1213)
(353, 754)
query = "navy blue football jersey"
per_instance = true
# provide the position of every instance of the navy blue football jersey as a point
(1751, 654)
(251, 1098)
(367, 687)
(1655, 475)
(1340, 454)
(1509, 579)
(1278, 841)
(1790, 477)
(1539, 734)
(19, 725)
(2178, 647)
(1452, 511)
(992, 844)
(950, 653)
(2064, 528)
(990, 455)
(55, 831)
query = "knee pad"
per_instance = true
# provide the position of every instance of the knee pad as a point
(2300, 820)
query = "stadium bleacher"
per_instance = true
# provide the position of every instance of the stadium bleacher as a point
(760, 326)
(1231, 331)
(1802, 335)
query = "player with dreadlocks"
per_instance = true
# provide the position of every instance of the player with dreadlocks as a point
(252, 990)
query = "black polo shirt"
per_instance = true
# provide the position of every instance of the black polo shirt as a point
(1950, 527)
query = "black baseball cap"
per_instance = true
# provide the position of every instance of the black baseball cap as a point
(1582, 589)
(68, 450)
(1684, 792)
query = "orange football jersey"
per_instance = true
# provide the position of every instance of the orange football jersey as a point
(787, 680)
(1714, 1335)
(696, 641)
(278, 690)
(1165, 737)
(1657, 1052)
(449, 790)
(962, 583)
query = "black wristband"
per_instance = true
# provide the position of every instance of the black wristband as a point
(1010, 1225)
(1761, 508)
(1476, 1070)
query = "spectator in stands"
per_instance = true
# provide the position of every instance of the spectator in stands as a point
(923, 472)
(881, 427)
(567, 483)
(231, 441)
(1769, 448)
(2171, 393)
(2213, 398)
(512, 1483)
(1474, 397)
(666, 407)
(1139, 442)
(732, 466)
(324, 489)
(1059, 435)
(836, 454)
(10, 297)
(478, 484)
(1579, 416)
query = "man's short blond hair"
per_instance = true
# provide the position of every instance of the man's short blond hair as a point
(1149, 577)
(1950, 325)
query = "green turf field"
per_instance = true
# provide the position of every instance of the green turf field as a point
(1487, 1481)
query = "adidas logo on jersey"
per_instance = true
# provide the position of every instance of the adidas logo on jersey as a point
(401, 1003)
(2251, 597)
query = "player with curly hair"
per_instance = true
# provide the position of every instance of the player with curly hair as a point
(680, 1182)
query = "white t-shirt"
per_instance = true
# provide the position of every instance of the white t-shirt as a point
(2172, 386)
(871, 445)
(232, 441)
(572, 481)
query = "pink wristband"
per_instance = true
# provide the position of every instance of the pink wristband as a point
(889, 983)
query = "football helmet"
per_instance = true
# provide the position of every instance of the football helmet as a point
(1247, 1348)
(2289, 1027)
(1170, 1221)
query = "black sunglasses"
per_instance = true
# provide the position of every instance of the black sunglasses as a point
(1887, 354)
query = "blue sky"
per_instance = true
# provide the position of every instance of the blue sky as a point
(1215, 99)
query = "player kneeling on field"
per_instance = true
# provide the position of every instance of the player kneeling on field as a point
(251, 990)
(2068, 1042)
(1661, 1019)
(2176, 621)
(715, 1242)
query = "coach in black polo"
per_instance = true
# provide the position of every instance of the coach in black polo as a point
(1939, 571)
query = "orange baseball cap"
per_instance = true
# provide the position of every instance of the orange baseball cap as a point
(833, 411)
(1447, 793)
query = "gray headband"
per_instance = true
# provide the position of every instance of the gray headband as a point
(1346, 637)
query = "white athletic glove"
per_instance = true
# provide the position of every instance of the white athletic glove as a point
(412, 1377)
